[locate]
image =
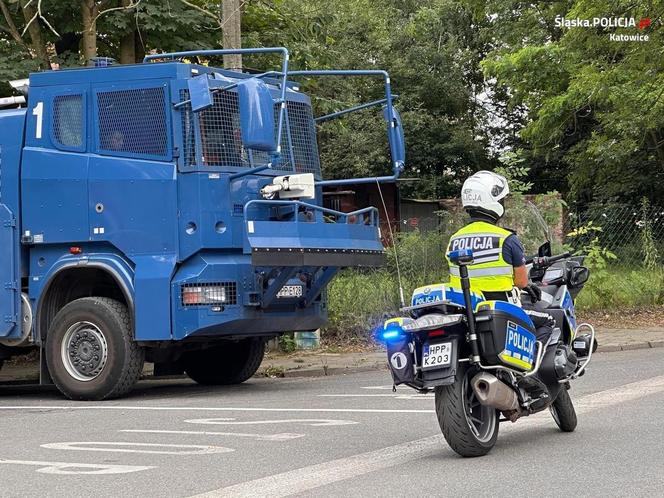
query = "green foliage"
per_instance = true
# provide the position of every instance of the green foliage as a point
(420, 256)
(597, 257)
(357, 302)
(515, 169)
(650, 251)
(592, 106)
(616, 288)
(287, 343)
(13, 64)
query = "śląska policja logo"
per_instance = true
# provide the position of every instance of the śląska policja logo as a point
(610, 22)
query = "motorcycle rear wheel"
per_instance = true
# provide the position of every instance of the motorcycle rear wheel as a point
(470, 428)
(563, 411)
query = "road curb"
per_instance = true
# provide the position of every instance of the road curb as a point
(326, 372)
(631, 346)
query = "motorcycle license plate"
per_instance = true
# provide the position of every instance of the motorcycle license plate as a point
(436, 355)
(290, 291)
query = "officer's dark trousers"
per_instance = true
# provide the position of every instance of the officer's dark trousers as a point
(543, 322)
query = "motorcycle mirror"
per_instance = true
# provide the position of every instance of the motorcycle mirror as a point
(544, 250)
(579, 275)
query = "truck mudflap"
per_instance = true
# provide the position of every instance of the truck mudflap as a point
(298, 234)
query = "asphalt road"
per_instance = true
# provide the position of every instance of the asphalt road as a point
(334, 436)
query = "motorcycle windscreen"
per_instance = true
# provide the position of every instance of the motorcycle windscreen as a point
(401, 361)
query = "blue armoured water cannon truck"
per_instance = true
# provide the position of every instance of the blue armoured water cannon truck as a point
(169, 212)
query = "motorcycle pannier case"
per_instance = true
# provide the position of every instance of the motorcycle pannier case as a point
(506, 335)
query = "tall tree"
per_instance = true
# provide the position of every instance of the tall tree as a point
(593, 102)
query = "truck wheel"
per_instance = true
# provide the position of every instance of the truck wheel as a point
(470, 428)
(226, 363)
(563, 411)
(90, 351)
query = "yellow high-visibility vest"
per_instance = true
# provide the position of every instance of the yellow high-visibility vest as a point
(489, 271)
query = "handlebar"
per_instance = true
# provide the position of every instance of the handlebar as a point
(539, 262)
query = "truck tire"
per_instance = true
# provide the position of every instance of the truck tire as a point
(470, 428)
(227, 363)
(563, 411)
(90, 351)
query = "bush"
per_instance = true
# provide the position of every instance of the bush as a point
(615, 288)
(357, 302)
(287, 343)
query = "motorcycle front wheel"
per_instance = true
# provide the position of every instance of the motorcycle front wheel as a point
(563, 411)
(469, 427)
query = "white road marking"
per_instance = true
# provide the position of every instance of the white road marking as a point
(314, 422)
(394, 396)
(70, 468)
(622, 394)
(314, 476)
(207, 409)
(121, 447)
(282, 436)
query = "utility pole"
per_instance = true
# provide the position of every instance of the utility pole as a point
(232, 29)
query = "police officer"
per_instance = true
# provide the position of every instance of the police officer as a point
(499, 263)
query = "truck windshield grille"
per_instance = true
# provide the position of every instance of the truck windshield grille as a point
(221, 142)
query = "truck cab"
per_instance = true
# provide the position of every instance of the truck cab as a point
(168, 212)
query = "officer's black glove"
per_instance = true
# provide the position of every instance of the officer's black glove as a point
(534, 292)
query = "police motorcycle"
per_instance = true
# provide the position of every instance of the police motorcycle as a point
(482, 358)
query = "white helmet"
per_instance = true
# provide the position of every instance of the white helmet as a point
(483, 191)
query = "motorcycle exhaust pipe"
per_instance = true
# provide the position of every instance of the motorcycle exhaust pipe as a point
(493, 392)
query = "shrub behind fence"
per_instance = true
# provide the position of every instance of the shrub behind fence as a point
(624, 245)
(635, 234)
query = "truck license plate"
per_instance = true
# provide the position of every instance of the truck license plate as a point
(436, 355)
(290, 291)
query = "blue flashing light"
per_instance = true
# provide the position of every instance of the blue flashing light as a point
(102, 61)
(457, 255)
(391, 334)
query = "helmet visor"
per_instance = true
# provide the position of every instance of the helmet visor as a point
(500, 189)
